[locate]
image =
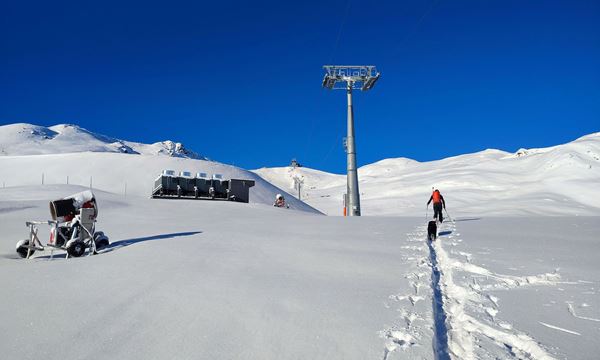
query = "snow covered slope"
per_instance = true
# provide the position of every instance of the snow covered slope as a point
(560, 180)
(221, 280)
(66, 154)
(127, 175)
(27, 139)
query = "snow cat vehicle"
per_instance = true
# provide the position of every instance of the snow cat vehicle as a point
(72, 228)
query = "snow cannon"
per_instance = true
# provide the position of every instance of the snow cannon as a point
(72, 228)
(65, 209)
(280, 202)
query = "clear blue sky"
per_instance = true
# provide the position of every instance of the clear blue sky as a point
(240, 82)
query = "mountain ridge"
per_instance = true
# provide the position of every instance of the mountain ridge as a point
(556, 180)
(28, 139)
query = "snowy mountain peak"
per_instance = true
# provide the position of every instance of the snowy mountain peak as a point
(28, 139)
(176, 149)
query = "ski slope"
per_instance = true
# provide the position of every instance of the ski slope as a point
(78, 157)
(559, 180)
(205, 280)
(193, 279)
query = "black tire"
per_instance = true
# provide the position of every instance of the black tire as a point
(22, 250)
(76, 249)
(101, 243)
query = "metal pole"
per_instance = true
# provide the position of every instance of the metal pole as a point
(352, 177)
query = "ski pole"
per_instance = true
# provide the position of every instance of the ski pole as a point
(426, 211)
(448, 215)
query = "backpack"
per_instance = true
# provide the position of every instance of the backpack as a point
(436, 197)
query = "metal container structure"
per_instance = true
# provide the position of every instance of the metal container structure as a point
(187, 183)
(167, 185)
(239, 190)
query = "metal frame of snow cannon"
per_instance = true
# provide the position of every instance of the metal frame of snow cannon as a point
(73, 228)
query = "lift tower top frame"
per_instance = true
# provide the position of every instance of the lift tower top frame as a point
(351, 77)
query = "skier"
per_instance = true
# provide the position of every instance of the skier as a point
(438, 203)
(279, 201)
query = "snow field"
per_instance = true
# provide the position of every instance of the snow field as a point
(559, 180)
(205, 279)
(470, 313)
(123, 174)
(199, 280)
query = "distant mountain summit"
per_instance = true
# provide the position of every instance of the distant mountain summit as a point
(28, 139)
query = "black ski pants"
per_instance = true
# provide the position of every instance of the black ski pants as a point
(437, 211)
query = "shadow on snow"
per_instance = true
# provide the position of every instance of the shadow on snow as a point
(123, 243)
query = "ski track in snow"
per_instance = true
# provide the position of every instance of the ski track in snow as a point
(559, 328)
(572, 312)
(464, 329)
(413, 325)
(454, 332)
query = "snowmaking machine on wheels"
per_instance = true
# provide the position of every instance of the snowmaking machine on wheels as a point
(72, 228)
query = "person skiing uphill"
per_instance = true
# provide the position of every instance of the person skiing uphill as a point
(438, 203)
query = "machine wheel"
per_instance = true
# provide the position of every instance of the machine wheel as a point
(76, 249)
(22, 248)
(102, 243)
(100, 240)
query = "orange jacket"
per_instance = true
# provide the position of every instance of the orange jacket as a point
(436, 197)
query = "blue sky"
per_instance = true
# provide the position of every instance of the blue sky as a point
(240, 81)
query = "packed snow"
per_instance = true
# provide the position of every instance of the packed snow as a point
(560, 180)
(200, 279)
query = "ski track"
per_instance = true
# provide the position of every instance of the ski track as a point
(454, 332)
(413, 325)
(559, 328)
(572, 312)
(440, 338)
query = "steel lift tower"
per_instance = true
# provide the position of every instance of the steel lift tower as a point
(350, 77)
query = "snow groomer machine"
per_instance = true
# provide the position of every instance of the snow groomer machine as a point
(187, 186)
(72, 228)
